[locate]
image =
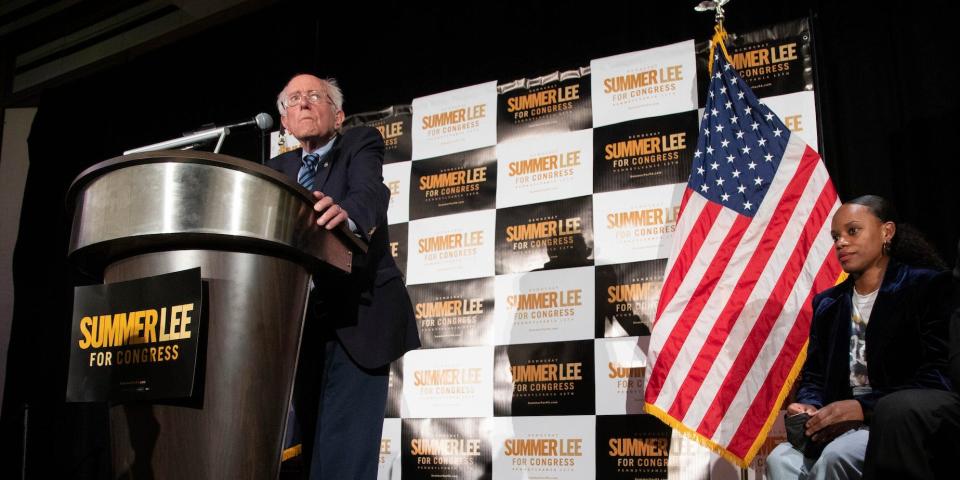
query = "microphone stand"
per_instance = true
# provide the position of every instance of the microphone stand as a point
(263, 147)
(187, 140)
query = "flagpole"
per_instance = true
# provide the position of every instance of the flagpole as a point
(720, 37)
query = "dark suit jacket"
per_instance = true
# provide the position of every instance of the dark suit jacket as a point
(369, 309)
(906, 338)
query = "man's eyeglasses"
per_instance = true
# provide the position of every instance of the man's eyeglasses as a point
(313, 96)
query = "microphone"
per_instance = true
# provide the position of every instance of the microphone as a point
(262, 121)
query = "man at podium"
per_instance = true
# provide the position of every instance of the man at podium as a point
(358, 324)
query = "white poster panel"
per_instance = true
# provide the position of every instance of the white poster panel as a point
(555, 448)
(396, 176)
(688, 460)
(548, 306)
(454, 121)
(621, 366)
(448, 383)
(798, 111)
(451, 247)
(642, 84)
(390, 445)
(777, 435)
(278, 147)
(635, 225)
(540, 169)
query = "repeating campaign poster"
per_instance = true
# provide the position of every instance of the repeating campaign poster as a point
(548, 306)
(448, 448)
(393, 123)
(389, 466)
(455, 121)
(560, 448)
(644, 152)
(648, 83)
(621, 365)
(452, 247)
(635, 225)
(558, 102)
(448, 382)
(627, 296)
(398, 245)
(799, 113)
(631, 447)
(545, 236)
(454, 183)
(546, 168)
(454, 314)
(396, 176)
(773, 61)
(544, 379)
(532, 219)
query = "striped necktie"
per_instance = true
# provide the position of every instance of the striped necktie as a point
(308, 171)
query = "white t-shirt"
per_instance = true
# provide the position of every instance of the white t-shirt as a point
(859, 317)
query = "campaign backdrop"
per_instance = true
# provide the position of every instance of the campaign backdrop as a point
(532, 218)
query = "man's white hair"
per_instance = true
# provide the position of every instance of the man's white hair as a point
(330, 87)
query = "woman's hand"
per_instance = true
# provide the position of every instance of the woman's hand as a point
(834, 419)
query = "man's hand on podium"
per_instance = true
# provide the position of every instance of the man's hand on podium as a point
(331, 214)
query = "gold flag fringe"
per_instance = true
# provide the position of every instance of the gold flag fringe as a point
(743, 462)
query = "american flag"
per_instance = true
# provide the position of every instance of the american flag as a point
(752, 247)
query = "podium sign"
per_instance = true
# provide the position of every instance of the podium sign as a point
(136, 340)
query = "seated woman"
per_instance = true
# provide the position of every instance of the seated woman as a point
(884, 329)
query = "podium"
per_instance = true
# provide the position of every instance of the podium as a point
(253, 234)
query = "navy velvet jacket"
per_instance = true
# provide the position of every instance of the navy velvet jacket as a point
(369, 309)
(906, 338)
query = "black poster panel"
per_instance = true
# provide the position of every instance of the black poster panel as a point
(455, 183)
(394, 389)
(631, 447)
(448, 448)
(559, 102)
(454, 314)
(398, 245)
(136, 340)
(626, 297)
(774, 61)
(545, 236)
(393, 123)
(544, 379)
(645, 152)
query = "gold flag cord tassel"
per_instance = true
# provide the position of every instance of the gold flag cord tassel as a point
(719, 38)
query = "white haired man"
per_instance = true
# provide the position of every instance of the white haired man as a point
(355, 326)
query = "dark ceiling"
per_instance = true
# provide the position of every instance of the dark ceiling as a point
(48, 42)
